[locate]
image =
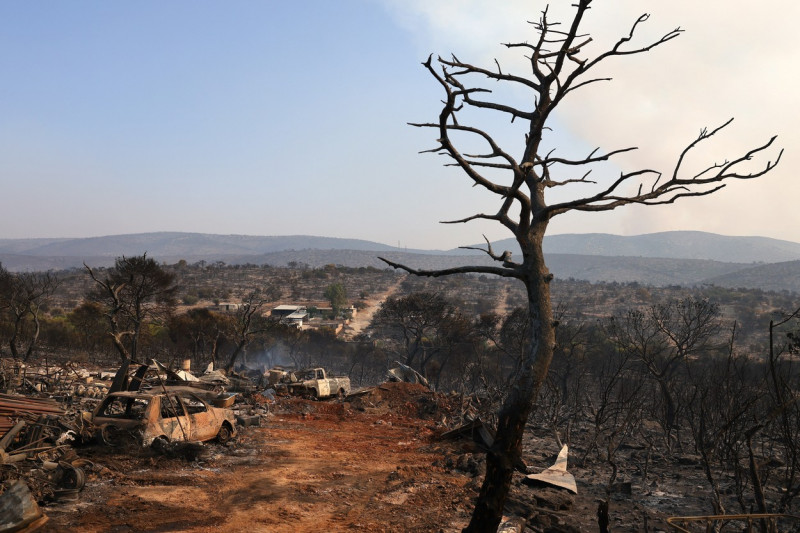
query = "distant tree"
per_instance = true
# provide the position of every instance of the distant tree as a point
(415, 320)
(199, 332)
(90, 325)
(135, 292)
(560, 64)
(23, 297)
(430, 334)
(662, 338)
(248, 321)
(336, 294)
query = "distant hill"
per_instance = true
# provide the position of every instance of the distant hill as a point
(30, 263)
(670, 244)
(771, 277)
(179, 244)
(670, 258)
(655, 271)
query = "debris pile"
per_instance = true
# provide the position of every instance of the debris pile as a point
(27, 425)
(54, 407)
(18, 509)
(408, 399)
(37, 462)
(406, 374)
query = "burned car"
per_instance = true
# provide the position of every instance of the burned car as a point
(314, 383)
(170, 415)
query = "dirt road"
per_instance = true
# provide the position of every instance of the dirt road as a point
(364, 316)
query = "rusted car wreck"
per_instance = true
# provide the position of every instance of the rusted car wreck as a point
(170, 414)
(312, 383)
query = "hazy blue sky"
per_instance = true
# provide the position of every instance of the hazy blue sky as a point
(280, 118)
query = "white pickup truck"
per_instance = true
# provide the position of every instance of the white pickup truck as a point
(315, 383)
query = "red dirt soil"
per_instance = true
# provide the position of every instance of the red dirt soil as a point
(324, 466)
(373, 464)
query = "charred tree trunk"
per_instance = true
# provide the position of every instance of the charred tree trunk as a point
(235, 355)
(669, 410)
(513, 415)
(116, 339)
(37, 329)
(12, 343)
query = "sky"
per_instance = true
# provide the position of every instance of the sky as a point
(290, 118)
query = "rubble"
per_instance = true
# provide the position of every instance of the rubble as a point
(406, 374)
(18, 510)
(475, 431)
(27, 425)
(395, 447)
(514, 524)
(480, 438)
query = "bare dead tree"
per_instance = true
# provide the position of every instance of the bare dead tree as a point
(559, 67)
(200, 331)
(415, 319)
(614, 406)
(248, 322)
(721, 404)
(662, 338)
(561, 401)
(784, 381)
(136, 292)
(23, 296)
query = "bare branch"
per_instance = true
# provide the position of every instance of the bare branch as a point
(676, 187)
(475, 269)
(504, 258)
(587, 160)
(466, 68)
(479, 216)
(483, 164)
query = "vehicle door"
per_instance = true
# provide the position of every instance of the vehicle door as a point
(323, 384)
(203, 419)
(123, 411)
(174, 421)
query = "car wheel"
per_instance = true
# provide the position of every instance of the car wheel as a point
(224, 434)
(160, 444)
(112, 435)
(73, 478)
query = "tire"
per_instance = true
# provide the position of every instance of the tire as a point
(112, 435)
(73, 478)
(341, 395)
(225, 434)
(160, 445)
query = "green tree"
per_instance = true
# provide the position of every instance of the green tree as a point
(559, 65)
(336, 294)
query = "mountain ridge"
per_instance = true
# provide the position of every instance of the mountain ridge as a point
(667, 258)
(669, 244)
